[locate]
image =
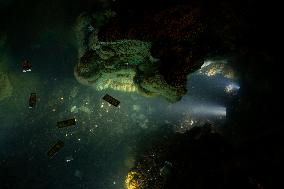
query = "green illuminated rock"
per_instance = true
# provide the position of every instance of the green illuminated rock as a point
(125, 65)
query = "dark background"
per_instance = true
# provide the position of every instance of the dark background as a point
(256, 128)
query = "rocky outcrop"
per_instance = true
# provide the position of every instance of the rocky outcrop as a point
(125, 65)
(172, 40)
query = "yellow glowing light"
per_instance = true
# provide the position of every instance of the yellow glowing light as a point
(211, 72)
(126, 85)
(220, 68)
(61, 98)
(130, 180)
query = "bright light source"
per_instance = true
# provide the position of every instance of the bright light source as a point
(206, 63)
(210, 110)
(232, 88)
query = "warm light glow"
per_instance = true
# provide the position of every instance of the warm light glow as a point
(120, 86)
(212, 68)
(131, 181)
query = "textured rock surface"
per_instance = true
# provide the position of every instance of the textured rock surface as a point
(125, 65)
(172, 40)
